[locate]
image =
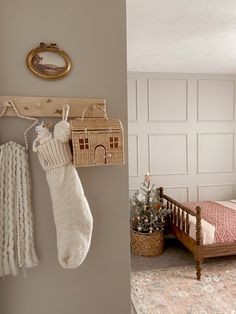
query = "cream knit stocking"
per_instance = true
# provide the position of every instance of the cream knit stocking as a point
(71, 214)
(71, 211)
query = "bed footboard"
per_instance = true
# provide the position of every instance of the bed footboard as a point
(180, 227)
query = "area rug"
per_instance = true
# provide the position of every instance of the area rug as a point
(176, 290)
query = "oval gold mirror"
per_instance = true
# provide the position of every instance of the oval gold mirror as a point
(48, 61)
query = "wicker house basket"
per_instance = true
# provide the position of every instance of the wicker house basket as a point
(97, 141)
(150, 244)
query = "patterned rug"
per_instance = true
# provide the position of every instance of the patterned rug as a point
(176, 290)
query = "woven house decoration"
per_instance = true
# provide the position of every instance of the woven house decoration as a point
(97, 141)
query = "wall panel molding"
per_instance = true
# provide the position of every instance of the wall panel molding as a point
(215, 192)
(186, 132)
(178, 192)
(167, 100)
(215, 153)
(215, 100)
(161, 163)
(133, 99)
(133, 155)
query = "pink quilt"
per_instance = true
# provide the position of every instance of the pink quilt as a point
(222, 217)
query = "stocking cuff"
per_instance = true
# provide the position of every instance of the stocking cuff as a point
(54, 154)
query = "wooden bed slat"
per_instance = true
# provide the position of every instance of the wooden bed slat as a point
(172, 201)
(198, 226)
(181, 221)
(187, 224)
(175, 217)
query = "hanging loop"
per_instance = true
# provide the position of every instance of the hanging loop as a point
(65, 112)
(95, 105)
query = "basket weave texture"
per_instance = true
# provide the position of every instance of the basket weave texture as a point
(150, 244)
(97, 141)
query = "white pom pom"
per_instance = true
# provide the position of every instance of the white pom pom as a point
(62, 131)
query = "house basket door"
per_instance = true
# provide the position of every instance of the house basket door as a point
(100, 155)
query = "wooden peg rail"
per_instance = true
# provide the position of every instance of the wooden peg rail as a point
(52, 106)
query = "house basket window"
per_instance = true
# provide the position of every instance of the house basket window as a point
(97, 141)
(83, 143)
(114, 142)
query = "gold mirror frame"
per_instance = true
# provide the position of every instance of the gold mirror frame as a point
(48, 62)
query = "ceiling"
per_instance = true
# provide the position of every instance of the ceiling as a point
(182, 36)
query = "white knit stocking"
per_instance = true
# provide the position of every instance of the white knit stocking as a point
(71, 214)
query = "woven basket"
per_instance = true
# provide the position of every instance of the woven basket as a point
(150, 244)
(97, 141)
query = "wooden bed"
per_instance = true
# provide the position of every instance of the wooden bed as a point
(179, 227)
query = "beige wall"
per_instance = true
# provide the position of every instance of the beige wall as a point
(93, 34)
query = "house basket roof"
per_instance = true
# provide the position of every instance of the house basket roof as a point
(96, 124)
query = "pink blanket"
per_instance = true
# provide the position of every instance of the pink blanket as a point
(222, 217)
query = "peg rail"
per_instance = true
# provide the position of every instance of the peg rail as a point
(52, 106)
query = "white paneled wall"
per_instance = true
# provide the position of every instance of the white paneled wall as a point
(215, 100)
(165, 164)
(160, 100)
(182, 130)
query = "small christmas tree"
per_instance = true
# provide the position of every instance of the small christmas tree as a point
(148, 210)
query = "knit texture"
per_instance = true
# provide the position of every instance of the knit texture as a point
(16, 228)
(54, 154)
(73, 219)
(222, 217)
(71, 214)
